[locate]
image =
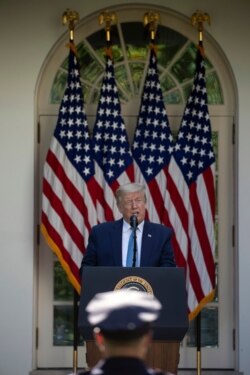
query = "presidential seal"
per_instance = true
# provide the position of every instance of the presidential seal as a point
(134, 283)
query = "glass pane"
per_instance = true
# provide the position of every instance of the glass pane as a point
(117, 53)
(122, 79)
(58, 87)
(95, 96)
(187, 90)
(98, 43)
(63, 329)
(209, 329)
(135, 40)
(167, 83)
(90, 67)
(136, 73)
(214, 91)
(169, 42)
(173, 97)
(184, 67)
(63, 290)
(87, 92)
(63, 326)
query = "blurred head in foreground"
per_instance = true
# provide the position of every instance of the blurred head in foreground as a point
(122, 322)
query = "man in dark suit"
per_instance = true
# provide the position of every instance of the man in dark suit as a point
(109, 242)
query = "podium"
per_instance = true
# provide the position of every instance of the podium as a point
(166, 283)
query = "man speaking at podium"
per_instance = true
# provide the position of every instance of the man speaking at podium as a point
(131, 241)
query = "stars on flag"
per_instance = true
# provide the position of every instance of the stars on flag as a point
(68, 212)
(193, 149)
(110, 142)
(72, 127)
(153, 141)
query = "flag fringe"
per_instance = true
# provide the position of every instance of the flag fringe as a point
(153, 47)
(109, 52)
(58, 253)
(72, 47)
(203, 302)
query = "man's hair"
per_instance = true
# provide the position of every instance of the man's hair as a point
(129, 188)
(125, 340)
(126, 336)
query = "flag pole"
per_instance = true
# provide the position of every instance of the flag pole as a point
(71, 17)
(198, 343)
(198, 18)
(75, 343)
(108, 18)
(151, 20)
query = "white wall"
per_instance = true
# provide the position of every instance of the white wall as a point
(28, 31)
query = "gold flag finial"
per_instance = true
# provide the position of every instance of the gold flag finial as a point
(108, 18)
(70, 17)
(197, 19)
(151, 19)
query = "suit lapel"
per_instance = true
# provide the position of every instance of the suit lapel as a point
(117, 242)
(147, 244)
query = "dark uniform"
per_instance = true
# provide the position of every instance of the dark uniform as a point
(122, 316)
(122, 366)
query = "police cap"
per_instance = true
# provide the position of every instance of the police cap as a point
(123, 314)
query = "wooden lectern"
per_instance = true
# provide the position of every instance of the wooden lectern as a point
(167, 284)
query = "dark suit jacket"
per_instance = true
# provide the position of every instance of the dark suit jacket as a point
(122, 366)
(105, 246)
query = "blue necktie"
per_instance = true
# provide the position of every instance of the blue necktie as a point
(130, 253)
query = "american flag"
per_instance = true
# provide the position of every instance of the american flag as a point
(68, 211)
(180, 179)
(153, 144)
(191, 185)
(112, 154)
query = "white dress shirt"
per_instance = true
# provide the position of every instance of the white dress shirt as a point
(126, 232)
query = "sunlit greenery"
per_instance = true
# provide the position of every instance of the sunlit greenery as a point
(176, 65)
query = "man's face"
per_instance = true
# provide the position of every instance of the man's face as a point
(133, 204)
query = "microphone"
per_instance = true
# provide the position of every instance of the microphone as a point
(133, 221)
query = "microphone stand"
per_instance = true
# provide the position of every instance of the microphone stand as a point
(134, 223)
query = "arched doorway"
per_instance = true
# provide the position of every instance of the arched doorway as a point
(176, 53)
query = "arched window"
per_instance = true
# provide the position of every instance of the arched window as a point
(176, 53)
